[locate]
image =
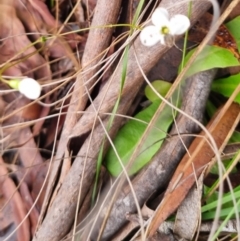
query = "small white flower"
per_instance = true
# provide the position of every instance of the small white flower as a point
(30, 88)
(163, 26)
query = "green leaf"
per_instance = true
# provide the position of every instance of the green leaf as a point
(129, 135)
(226, 86)
(162, 87)
(209, 210)
(210, 108)
(223, 214)
(235, 138)
(233, 27)
(211, 57)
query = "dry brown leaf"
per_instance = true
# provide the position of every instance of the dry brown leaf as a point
(11, 47)
(37, 19)
(201, 154)
(13, 208)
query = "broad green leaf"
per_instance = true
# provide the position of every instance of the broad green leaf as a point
(233, 27)
(162, 87)
(130, 134)
(211, 57)
(226, 86)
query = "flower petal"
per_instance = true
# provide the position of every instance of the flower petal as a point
(160, 17)
(179, 24)
(150, 35)
(30, 88)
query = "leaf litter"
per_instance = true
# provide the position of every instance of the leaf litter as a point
(49, 147)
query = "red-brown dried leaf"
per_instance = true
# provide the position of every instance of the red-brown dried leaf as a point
(190, 167)
(13, 210)
(13, 41)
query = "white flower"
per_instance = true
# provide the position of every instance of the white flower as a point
(30, 88)
(163, 26)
